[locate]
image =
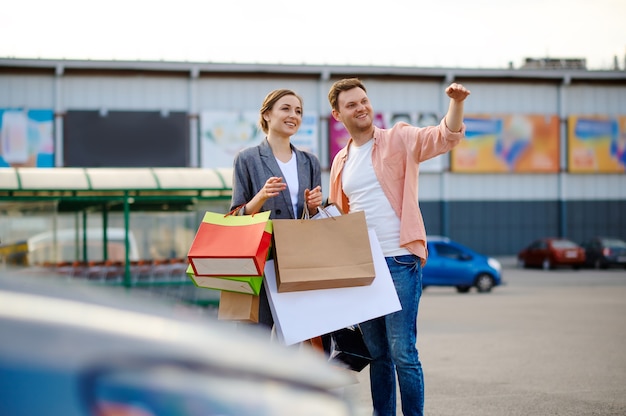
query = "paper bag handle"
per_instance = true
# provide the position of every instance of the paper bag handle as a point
(236, 210)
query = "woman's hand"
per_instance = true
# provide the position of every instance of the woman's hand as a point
(273, 186)
(313, 199)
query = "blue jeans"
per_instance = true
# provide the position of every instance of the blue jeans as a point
(391, 341)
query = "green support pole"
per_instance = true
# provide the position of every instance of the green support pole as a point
(85, 236)
(105, 231)
(127, 277)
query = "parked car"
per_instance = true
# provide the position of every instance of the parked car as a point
(73, 350)
(550, 252)
(453, 264)
(603, 252)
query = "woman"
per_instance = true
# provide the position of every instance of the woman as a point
(274, 175)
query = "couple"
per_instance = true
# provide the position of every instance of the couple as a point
(376, 172)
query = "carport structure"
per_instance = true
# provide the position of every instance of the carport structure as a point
(103, 190)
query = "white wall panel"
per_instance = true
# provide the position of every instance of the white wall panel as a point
(502, 187)
(125, 93)
(521, 98)
(592, 100)
(402, 96)
(236, 94)
(430, 186)
(595, 187)
(31, 91)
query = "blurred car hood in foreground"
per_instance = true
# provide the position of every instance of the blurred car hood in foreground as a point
(70, 348)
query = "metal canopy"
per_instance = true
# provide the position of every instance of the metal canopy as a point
(16, 180)
(107, 189)
(78, 188)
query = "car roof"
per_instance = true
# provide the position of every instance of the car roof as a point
(438, 238)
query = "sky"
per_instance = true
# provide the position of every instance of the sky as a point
(419, 33)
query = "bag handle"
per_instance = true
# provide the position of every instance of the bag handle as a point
(305, 212)
(236, 210)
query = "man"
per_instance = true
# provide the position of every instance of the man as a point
(377, 172)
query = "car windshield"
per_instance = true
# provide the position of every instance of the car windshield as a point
(614, 243)
(563, 244)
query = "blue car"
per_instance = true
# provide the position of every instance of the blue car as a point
(453, 264)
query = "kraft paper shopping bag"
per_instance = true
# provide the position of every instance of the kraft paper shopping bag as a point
(299, 316)
(323, 253)
(238, 307)
(231, 245)
(241, 284)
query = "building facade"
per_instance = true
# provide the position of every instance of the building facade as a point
(160, 114)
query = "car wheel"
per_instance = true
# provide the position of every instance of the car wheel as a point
(463, 289)
(484, 283)
(546, 265)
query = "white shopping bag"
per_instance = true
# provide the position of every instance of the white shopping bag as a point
(299, 316)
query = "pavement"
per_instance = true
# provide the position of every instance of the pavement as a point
(545, 343)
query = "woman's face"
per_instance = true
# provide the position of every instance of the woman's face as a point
(285, 117)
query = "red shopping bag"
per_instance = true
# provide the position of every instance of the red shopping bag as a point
(231, 245)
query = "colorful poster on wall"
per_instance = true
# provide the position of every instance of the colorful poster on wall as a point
(338, 136)
(26, 138)
(425, 119)
(508, 143)
(224, 133)
(438, 163)
(596, 144)
(307, 136)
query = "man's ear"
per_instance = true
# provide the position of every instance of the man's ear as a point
(335, 115)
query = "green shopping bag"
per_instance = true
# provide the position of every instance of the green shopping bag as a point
(241, 284)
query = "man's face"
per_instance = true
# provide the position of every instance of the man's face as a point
(355, 111)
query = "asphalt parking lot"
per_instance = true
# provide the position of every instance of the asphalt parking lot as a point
(545, 343)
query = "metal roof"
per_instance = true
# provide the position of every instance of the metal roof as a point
(195, 69)
(79, 188)
(115, 179)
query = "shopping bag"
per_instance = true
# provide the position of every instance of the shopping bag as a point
(238, 307)
(302, 315)
(346, 348)
(325, 253)
(231, 245)
(241, 284)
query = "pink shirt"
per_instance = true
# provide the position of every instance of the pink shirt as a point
(396, 155)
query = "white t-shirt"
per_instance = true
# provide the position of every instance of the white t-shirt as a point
(362, 188)
(290, 175)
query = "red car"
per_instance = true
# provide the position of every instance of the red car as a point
(551, 252)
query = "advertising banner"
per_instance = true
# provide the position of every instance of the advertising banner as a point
(224, 133)
(508, 143)
(338, 135)
(596, 144)
(26, 138)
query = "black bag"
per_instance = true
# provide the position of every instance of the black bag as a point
(345, 347)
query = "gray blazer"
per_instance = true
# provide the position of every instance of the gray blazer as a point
(253, 166)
